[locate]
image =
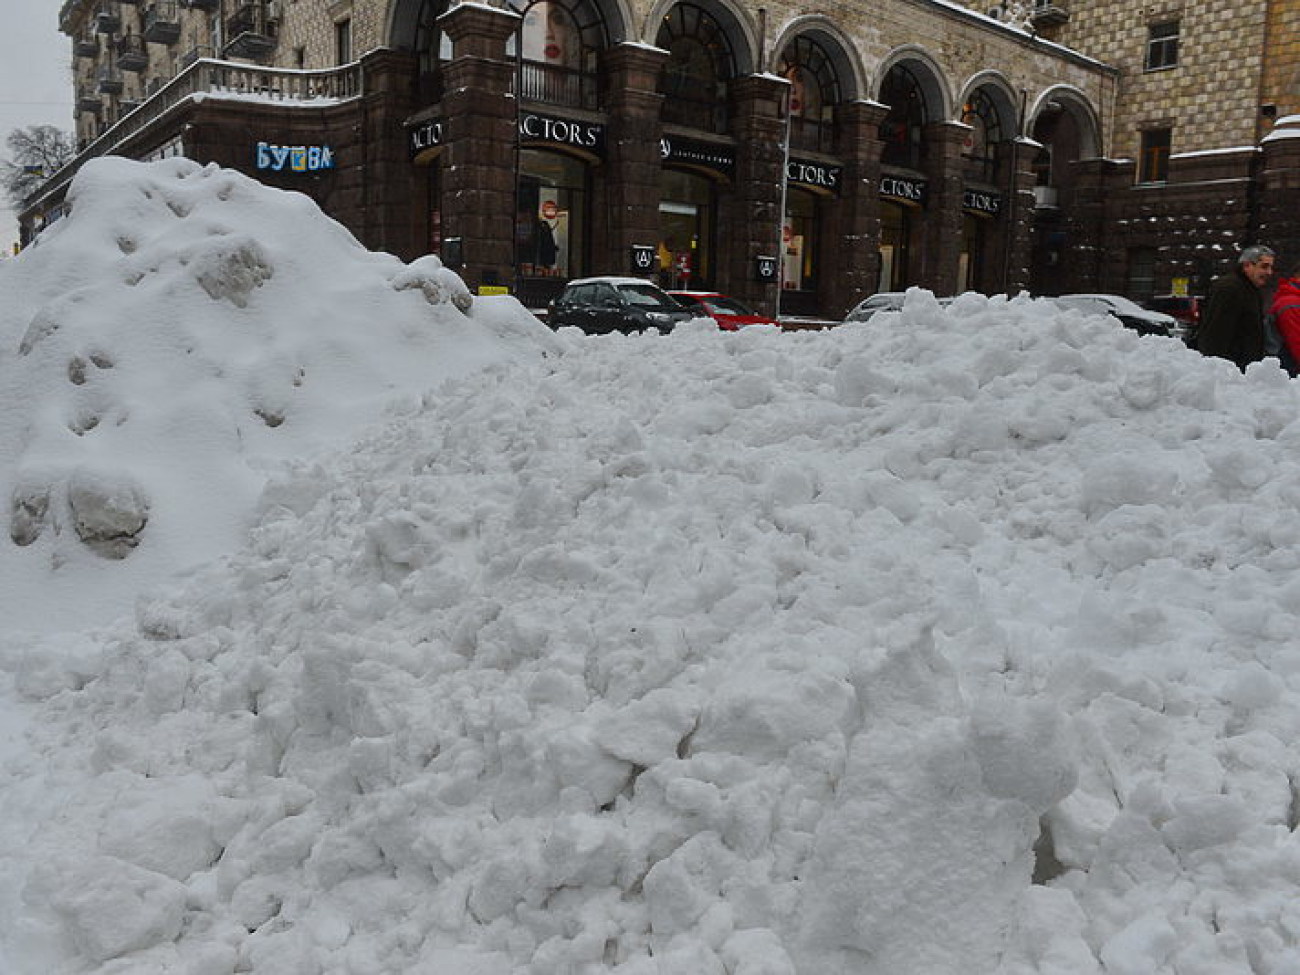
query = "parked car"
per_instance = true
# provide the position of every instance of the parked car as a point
(1124, 310)
(884, 301)
(1185, 308)
(729, 313)
(615, 304)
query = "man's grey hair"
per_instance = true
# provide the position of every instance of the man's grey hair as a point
(1255, 253)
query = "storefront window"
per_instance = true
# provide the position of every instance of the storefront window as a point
(895, 231)
(798, 241)
(685, 231)
(971, 261)
(550, 223)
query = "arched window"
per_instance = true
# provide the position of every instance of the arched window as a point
(433, 48)
(980, 149)
(559, 41)
(700, 63)
(814, 92)
(902, 131)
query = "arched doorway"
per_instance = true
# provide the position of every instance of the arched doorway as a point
(1065, 130)
(988, 165)
(903, 184)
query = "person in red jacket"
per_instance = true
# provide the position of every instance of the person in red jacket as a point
(1286, 317)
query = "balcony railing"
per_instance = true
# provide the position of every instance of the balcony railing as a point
(252, 31)
(213, 79)
(162, 23)
(108, 17)
(109, 80)
(183, 61)
(1049, 13)
(201, 4)
(556, 85)
(86, 45)
(88, 100)
(132, 55)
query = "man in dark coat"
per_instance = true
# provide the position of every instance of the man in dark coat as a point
(1232, 325)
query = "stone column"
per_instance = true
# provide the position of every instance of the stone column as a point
(751, 221)
(1008, 259)
(629, 194)
(851, 258)
(942, 234)
(388, 187)
(481, 154)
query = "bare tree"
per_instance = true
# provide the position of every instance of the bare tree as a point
(37, 152)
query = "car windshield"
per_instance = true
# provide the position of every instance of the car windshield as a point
(647, 296)
(727, 306)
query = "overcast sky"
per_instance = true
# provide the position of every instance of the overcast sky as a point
(35, 80)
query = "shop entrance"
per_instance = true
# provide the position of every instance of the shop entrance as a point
(550, 225)
(686, 211)
(895, 246)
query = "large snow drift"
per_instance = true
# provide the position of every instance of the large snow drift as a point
(962, 641)
(183, 331)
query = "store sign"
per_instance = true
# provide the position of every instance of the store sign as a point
(643, 258)
(982, 202)
(903, 188)
(765, 269)
(688, 152)
(817, 175)
(296, 159)
(424, 136)
(567, 133)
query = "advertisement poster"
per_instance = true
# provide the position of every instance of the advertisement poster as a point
(552, 256)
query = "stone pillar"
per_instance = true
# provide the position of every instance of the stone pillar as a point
(851, 263)
(752, 219)
(388, 179)
(1009, 244)
(942, 236)
(1083, 199)
(629, 194)
(481, 154)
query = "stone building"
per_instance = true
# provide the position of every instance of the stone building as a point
(798, 156)
(1201, 144)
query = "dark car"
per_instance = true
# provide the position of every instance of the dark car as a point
(729, 313)
(616, 304)
(1185, 308)
(1127, 312)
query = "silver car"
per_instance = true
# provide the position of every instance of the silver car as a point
(1128, 313)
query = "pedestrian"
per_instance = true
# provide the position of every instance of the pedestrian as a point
(1232, 325)
(1286, 318)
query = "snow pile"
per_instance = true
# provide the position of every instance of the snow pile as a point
(180, 333)
(959, 641)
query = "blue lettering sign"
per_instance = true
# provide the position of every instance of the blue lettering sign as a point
(297, 159)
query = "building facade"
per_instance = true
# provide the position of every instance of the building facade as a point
(800, 159)
(1200, 147)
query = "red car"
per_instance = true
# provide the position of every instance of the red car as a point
(729, 313)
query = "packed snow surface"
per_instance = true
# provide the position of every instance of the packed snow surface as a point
(963, 640)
